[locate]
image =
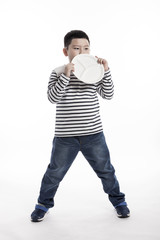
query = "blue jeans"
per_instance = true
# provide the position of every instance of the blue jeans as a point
(64, 151)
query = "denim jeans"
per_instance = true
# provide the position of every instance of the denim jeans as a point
(64, 151)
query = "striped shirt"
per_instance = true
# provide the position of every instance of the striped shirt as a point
(77, 105)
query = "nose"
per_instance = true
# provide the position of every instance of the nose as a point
(81, 51)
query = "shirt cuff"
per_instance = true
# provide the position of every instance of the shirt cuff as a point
(64, 78)
(108, 71)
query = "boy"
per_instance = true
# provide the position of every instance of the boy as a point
(78, 128)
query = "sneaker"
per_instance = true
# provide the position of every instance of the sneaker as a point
(39, 213)
(122, 211)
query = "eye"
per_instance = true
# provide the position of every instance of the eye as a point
(86, 48)
(76, 48)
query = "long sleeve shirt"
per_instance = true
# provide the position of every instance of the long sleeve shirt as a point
(77, 104)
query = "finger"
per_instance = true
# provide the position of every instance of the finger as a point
(100, 60)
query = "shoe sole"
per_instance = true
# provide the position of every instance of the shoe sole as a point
(125, 216)
(37, 220)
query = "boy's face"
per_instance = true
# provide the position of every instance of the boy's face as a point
(77, 46)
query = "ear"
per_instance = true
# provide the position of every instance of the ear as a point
(65, 52)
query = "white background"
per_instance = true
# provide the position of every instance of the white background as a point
(127, 34)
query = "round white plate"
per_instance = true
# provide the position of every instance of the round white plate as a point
(87, 69)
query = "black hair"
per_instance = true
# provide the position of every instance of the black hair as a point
(74, 34)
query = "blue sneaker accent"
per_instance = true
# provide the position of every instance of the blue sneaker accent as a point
(41, 207)
(121, 204)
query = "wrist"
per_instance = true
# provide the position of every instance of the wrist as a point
(106, 68)
(67, 74)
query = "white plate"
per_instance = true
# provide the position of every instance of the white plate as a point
(87, 69)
